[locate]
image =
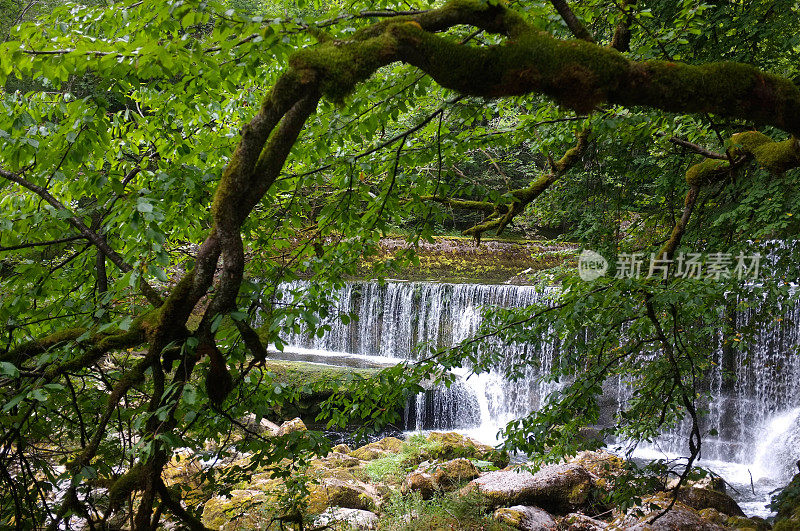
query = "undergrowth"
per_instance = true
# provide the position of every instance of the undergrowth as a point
(447, 511)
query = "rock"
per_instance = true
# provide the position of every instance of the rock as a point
(708, 482)
(753, 524)
(185, 470)
(342, 449)
(602, 465)
(556, 488)
(387, 445)
(450, 473)
(263, 427)
(291, 426)
(419, 481)
(453, 445)
(526, 517)
(713, 515)
(581, 522)
(336, 460)
(240, 511)
(429, 478)
(344, 491)
(352, 518)
(699, 498)
(680, 518)
(787, 505)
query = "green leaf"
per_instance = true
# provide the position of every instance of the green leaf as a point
(8, 369)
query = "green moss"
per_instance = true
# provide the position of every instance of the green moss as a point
(304, 386)
(706, 172)
(299, 374)
(130, 481)
(344, 64)
(776, 157)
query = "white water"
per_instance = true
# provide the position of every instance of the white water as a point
(756, 413)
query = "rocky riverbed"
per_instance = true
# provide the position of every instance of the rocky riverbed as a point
(413, 483)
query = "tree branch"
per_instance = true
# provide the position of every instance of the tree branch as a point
(151, 294)
(573, 23)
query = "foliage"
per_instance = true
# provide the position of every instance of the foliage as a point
(132, 197)
(443, 511)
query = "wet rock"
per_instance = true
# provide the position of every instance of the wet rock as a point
(680, 518)
(291, 426)
(387, 445)
(526, 517)
(342, 449)
(556, 488)
(787, 505)
(452, 445)
(352, 518)
(581, 522)
(699, 498)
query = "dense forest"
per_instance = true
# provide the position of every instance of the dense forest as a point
(169, 168)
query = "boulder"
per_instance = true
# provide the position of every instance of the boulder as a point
(335, 460)
(755, 524)
(429, 478)
(450, 473)
(526, 517)
(342, 449)
(556, 488)
(291, 426)
(419, 481)
(444, 446)
(713, 515)
(581, 522)
(344, 491)
(680, 518)
(387, 445)
(261, 427)
(787, 505)
(239, 511)
(700, 498)
(604, 467)
(351, 518)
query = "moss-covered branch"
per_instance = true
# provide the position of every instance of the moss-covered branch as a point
(501, 214)
(577, 74)
(776, 157)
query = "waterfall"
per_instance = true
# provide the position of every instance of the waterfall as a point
(755, 392)
(403, 319)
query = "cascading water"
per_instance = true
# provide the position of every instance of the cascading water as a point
(755, 413)
(401, 319)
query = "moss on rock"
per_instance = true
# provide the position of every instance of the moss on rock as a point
(387, 445)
